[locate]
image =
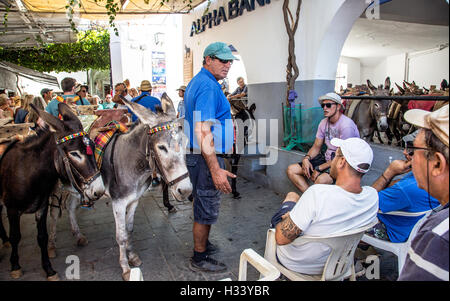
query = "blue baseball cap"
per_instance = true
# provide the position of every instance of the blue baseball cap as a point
(219, 50)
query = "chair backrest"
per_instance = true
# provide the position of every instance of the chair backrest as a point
(343, 246)
(417, 226)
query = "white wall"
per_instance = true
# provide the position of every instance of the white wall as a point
(353, 68)
(377, 69)
(429, 69)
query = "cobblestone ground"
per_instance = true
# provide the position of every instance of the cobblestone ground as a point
(163, 240)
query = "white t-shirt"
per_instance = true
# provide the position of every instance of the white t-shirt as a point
(324, 210)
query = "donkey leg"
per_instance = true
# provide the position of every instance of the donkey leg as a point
(3, 235)
(41, 219)
(234, 168)
(166, 202)
(14, 238)
(54, 213)
(73, 204)
(133, 258)
(119, 210)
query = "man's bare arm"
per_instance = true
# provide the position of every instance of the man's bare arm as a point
(286, 231)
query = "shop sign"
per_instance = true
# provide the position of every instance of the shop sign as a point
(235, 9)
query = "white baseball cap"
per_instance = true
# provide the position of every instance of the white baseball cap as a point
(331, 96)
(356, 151)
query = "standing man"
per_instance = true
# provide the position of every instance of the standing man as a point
(120, 89)
(68, 86)
(47, 95)
(315, 166)
(145, 99)
(210, 131)
(181, 109)
(240, 91)
(427, 259)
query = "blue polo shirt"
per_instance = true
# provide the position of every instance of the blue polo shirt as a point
(205, 101)
(147, 101)
(405, 196)
(52, 106)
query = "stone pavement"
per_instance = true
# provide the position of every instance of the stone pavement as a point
(163, 240)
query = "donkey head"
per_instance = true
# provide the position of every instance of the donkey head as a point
(167, 144)
(74, 155)
(380, 107)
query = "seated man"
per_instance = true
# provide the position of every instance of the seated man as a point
(240, 91)
(402, 195)
(324, 209)
(315, 166)
(145, 99)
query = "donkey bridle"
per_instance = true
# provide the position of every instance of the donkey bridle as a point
(68, 166)
(148, 153)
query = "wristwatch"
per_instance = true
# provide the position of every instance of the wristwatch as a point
(317, 168)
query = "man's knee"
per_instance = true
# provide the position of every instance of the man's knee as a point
(291, 197)
(324, 179)
(294, 170)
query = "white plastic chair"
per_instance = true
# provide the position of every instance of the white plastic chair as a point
(339, 264)
(136, 275)
(400, 249)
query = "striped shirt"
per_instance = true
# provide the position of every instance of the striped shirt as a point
(427, 258)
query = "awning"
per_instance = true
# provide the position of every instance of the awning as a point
(29, 74)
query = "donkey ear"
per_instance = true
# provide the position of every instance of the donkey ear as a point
(387, 83)
(369, 84)
(167, 105)
(66, 112)
(400, 88)
(252, 108)
(54, 123)
(145, 115)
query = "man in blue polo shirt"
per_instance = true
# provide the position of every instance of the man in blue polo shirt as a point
(145, 99)
(209, 127)
(68, 86)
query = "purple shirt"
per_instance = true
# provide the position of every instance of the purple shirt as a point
(344, 128)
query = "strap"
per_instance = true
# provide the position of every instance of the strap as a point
(139, 98)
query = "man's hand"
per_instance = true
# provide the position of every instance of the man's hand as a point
(220, 179)
(397, 167)
(307, 167)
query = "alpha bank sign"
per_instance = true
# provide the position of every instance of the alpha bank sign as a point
(235, 9)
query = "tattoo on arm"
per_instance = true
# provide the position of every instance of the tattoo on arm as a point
(289, 229)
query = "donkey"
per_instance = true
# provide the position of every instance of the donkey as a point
(244, 125)
(156, 143)
(29, 171)
(371, 114)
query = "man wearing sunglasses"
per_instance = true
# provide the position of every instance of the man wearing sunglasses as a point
(209, 127)
(316, 166)
(427, 258)
(68, 85)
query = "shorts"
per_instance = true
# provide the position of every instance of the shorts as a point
(379, 231)
(206, 196)
(285, 208)
(316, 161)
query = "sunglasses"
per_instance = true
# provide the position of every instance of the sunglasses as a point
(410, 149)
(84, 91)
(222, 61)
(328, 105)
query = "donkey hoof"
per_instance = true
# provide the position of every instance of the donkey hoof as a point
(82, 241)
(16, 274)
(126, 276)
(135, 261)
(236, 195)
(6, 245)
(52, 252)
(53, 278)
(172, 210)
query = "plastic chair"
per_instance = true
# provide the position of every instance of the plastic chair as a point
(339, 264)
(398, 248)
(136, 275)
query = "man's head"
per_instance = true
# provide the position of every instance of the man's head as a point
(353, 154)
(3, 100)
(331, 104)
(68, 84)
(240, 82)
(108, 98)
(47, 94)
(217, 59)
(430, 160)
(120, 89)
(181, 91)
(146, 86)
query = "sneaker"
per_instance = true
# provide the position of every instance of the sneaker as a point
(211, 249)
(156, 181)
(208, 264)
(361, 254)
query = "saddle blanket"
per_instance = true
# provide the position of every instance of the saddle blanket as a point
(103, 138)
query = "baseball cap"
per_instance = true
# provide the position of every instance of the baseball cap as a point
(45, 90)
(146, 85)
(436, 121)
(331, 96)
(356, 151)
(182, 88)
(219, 50)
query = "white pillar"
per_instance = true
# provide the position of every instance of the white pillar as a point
(116, 58)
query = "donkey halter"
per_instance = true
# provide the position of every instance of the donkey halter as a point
(68, 166)
(152, 131)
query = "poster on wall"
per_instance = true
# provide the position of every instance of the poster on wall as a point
(158, 73)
